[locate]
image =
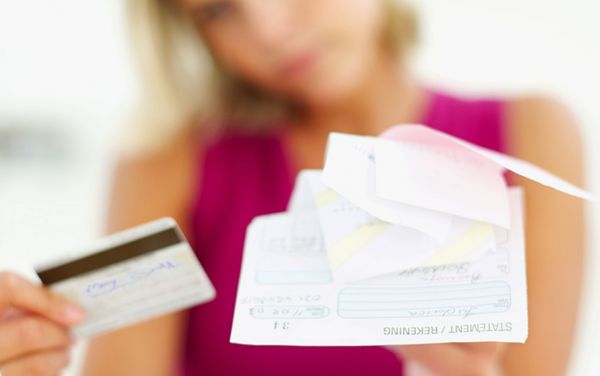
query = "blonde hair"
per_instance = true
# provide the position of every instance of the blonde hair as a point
(181, 85)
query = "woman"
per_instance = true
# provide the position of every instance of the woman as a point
(289, 72)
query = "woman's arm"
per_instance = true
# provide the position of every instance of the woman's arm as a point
(144, 189)
(543, 132)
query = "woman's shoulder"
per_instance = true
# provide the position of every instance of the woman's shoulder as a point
(154, 183)
(543, 130)
(543, 119)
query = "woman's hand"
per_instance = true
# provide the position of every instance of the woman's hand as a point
(454, 359)
(34, 328)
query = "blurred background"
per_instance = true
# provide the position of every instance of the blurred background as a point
(67, 86)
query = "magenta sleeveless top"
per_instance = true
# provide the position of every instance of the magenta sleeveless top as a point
(242, 176)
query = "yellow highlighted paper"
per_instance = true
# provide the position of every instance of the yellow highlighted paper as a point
(464, 245)
(326, 197)
(346, 247)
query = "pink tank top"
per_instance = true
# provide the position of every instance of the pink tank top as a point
(243, 176)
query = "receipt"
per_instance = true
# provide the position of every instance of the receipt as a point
(360, 245)
(350, 171)
(420, 178)
(479, 300)
(412, 237)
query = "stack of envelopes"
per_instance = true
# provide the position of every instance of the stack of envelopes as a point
(410, 237)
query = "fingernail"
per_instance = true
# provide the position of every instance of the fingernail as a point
(73, 314)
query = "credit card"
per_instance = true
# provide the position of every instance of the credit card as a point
(131, 276)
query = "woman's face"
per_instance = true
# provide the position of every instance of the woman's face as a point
(311, 51)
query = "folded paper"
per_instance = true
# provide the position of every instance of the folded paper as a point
(411, 237)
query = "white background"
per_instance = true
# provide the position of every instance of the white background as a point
(64, 64)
